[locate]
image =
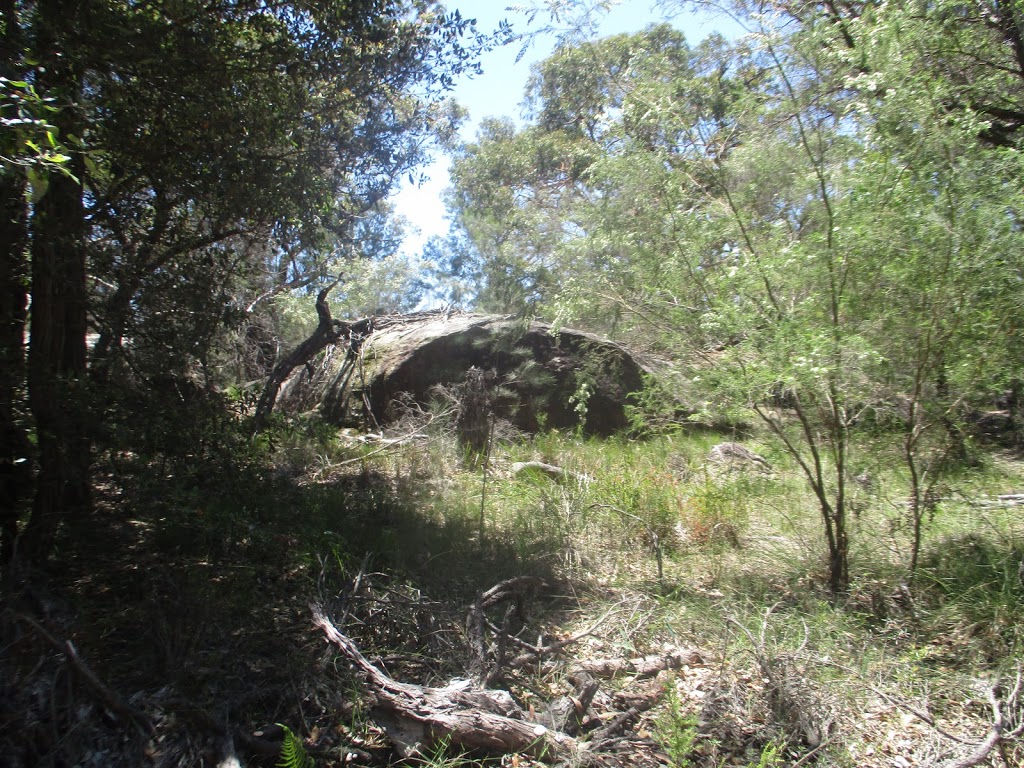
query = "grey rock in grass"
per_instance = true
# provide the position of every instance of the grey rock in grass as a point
(736, 456)
(539, 370)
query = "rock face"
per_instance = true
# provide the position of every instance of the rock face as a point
(536, 375)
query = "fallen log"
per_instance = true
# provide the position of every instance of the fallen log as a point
(417, 718)
(647, 666)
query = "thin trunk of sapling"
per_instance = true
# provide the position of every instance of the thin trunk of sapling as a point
(483, 482)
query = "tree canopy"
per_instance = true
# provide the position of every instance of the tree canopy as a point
(819, 221)
(168, 166)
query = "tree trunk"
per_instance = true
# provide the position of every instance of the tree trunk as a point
(15, 477)
(328, 331)
(839, 556)
(15, 469)
(57, 351)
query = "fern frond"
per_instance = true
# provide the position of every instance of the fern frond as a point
(293, 751)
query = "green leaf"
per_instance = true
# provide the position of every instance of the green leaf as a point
(293, 751)
(39, 182)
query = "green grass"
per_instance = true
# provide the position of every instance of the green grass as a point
(674, 551)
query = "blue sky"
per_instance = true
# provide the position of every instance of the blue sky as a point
(499, 90)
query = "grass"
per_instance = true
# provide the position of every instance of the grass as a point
(213, 582)
(745, 550)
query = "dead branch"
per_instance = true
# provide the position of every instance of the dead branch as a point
(568, 713)
(1003, 500)
(328, 331)
(615, 727)
(643, 667)
(391, 442)
(418, 717)
(511, 589)
(535, 653)
(103, 693)
(1007, 724)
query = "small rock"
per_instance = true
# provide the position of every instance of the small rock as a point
(735, 456)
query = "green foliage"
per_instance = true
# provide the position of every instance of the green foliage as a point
(653, 410)
(295, 318)
(27, 138)
(293, 751)
(772, 756)
(676, 730)
(976, 582)
(440, 755)
(715, 513)
(756, 210)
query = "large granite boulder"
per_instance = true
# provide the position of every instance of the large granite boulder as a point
(538, 376)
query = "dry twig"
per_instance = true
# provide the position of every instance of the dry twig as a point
(104, 694)
(1007, 724)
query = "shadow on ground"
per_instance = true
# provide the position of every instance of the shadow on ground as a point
(191, 604)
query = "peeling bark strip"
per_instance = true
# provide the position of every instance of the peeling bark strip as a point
(418, 717)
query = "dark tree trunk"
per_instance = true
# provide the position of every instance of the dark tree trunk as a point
(839, 555)
(114, 320)
(15, 469)
(15, 475)
(57, 353)
(328, 331)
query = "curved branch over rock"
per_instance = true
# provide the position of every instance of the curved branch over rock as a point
(328, 331)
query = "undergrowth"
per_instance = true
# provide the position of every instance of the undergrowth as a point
(204, 583)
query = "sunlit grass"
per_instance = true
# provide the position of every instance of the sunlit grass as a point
(678, 552)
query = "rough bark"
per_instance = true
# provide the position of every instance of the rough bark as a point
(15, 475)
(328, 331)
(476, 405)
(57, 350)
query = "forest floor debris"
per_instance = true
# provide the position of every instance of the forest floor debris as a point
(194, 615)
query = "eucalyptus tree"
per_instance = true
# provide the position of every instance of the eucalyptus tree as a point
(932, 211)
(939, 88)
(512, 196)
(821, 220)
(204, 142)
(856, 251)
(526, 198)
